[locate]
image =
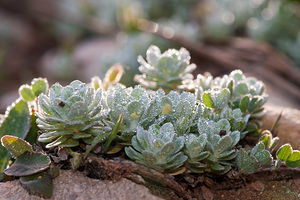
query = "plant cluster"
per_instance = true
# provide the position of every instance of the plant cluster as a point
(171, 122)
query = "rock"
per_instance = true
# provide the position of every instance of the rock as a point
(71, 185)
(288, 128)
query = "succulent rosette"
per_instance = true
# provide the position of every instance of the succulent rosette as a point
(70, 113)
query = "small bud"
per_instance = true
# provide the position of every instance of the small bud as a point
(113, 75)
(96, 82)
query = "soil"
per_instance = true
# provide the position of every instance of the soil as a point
(265, 185)
(271, 190)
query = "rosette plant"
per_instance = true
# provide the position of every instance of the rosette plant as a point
(70, 113)
(158, 147)
(168, 70)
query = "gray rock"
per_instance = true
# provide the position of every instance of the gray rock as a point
(288, 128)
(71, 185)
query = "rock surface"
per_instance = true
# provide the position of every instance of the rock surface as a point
(288, 128)
(71, 185)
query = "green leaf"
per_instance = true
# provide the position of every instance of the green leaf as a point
(230, 86)
(294, 159)
(284, 152)
(207, 100)
(17, 120)
(33, 132)
(40, 183)
(264, 158)
(224, 144)
(222, 98)
(266, 138)
(114, 133)
(244, 103)
(26, 93)
(241, 89)
(16, 123)
(28, 164)
(247, 164)
(16, 146)
(95, 141)
(39, 85)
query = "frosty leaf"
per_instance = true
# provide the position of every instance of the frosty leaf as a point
(284, 152)
(39, 86)
(294, 159)
(26, 93)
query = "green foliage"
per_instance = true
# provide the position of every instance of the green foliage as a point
(16, 123)
(17, 120)
(40, 183)
(70, 113)
(233, 93)
(30, 93)
(134, 104)
(267, 139)
(16, 146)
(28, 163)
(39, 86)
(26, 93)
(257, 158)
(212, 150)
(158, 147)
(180, 109)
(32, 167)
(168, 70)
(164, 127)
(290, 156)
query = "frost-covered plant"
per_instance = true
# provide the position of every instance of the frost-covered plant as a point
(136, 106)
(168, 70)
(216, 106)
(234, 91)
(173, 131)
(70, 113)
(158, 147)
(246, 93)
(212, 150)
(181, 109)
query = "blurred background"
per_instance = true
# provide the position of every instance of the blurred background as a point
(77, 39)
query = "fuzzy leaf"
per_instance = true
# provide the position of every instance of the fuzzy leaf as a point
(284, 152)
(241, 89)
(266, 138)
(16, 146)
(247, 164)
(28, 164)
(224, 144)
(16, 123)
(222, 98)
(294, 159)
(17, 120)
(26, 93)
(244, 103)
(39, 85)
